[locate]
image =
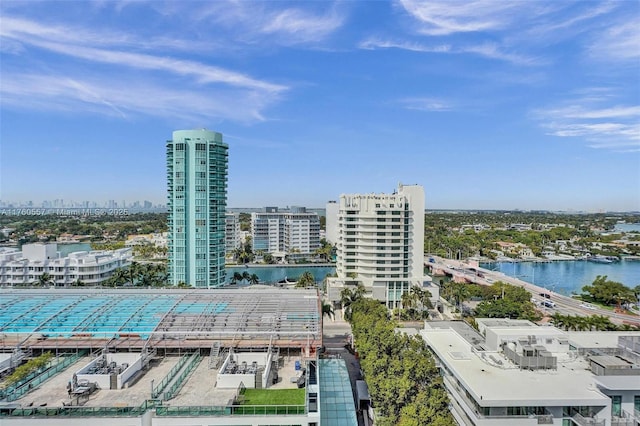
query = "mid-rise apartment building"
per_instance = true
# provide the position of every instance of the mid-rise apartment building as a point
(89, 267)
(197, 197)
(380, 243)
(294, 233)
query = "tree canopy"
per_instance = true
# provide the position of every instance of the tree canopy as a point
(609, 292)
(404, 382)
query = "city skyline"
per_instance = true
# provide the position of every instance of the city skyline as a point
(488, 105)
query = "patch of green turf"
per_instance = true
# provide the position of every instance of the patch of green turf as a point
(274, 396)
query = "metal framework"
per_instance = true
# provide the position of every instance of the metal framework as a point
(161, 318)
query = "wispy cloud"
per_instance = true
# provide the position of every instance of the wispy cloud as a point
(14, 28)
(126, 99)
(614, 127)
(427, 104)
(619, 42)
(377, 43)
(302, 25)
(61, 85)
(57, 41)
(260, 22)
(439, 18)
(486, 50)
(513, 29)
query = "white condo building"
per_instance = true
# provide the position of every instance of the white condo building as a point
(91, 267)
(380, 243)
(515, 373)
(232, 235)
(295, 233)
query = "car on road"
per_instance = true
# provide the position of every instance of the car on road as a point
(547, 304)
(489, 280)
(588, 306)
(545, 295)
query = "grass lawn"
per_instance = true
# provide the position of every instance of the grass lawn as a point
(274, 396)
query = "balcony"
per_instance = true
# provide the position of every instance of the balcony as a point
(587, 421)
(627, 419)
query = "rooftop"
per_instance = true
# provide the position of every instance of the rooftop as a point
(571, 384)
(199, 389)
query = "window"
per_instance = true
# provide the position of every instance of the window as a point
(616, 405)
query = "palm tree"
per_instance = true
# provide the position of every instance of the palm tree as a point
(559, 320)
(254, 279)
(237, 253)
(327, 309)
(600, 323)
(350, 296)
(132, 273)
(118, 278)
(460, 294)
(45, 279)
(237, 277)
(78, 283)
(408, 300)
(306, 280)
(246, 276)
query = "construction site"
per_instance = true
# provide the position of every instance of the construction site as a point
(154, 357)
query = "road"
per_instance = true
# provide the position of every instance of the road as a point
(564, 305)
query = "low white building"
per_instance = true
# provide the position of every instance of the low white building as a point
(155, 239)
(523, 374)
(92, 267)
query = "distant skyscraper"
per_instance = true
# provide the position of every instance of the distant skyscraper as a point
(197, 185)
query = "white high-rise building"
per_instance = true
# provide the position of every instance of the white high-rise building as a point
(380, 243)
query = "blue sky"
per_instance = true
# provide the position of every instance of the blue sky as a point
(488, 104)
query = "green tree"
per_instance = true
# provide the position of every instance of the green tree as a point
(325, 251)
(236, 278)
(78, 283)
(327, 309)
(254, 279)
(349, 296)
(306, 280)
(402, 376)
(608, 292)
(45, 279)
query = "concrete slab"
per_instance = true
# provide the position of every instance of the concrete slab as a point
(54, 393)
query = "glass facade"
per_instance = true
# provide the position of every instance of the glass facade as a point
(336, 397)
(197, 162)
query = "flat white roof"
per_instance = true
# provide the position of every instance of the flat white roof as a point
(597, 339)
(570, 384)
(619, 383)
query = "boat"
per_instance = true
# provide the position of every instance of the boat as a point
(599, 259)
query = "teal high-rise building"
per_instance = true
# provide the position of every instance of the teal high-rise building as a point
(197, 185)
